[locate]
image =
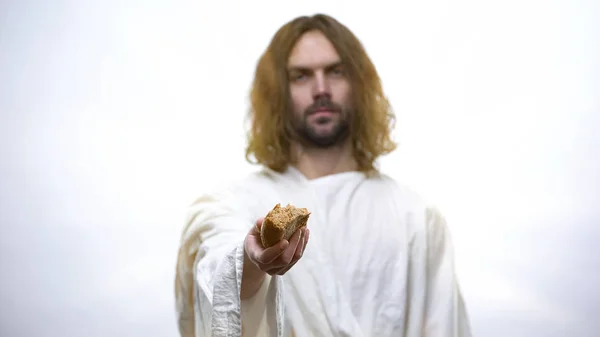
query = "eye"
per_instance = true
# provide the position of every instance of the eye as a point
(298, 77)
(338, 71)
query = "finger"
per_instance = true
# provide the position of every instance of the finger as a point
(295, 259)
(274, 271)
(259, 254)
(258, 224)
(307, 237)
(297, 256)
(279, 270)
(267, 256)
(288, 254)
(282, 271)
(300, 248)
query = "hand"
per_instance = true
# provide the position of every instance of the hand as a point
(278, 259)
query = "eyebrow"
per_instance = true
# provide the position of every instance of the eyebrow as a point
(307, 69)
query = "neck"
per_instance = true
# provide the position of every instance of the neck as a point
(315, 163)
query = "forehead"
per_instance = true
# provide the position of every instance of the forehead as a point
(313, 50)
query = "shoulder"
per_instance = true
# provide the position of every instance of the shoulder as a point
(426, 217)
(241, 185)
(405, 195)
(242, 194)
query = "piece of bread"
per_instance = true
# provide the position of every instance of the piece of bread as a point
(281, 223)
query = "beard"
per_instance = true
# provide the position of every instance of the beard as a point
(337, 133)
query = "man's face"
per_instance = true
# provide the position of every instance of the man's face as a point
(320, 91)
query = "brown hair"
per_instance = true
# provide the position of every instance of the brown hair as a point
(269, 136)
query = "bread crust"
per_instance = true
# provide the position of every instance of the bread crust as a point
(281, 223)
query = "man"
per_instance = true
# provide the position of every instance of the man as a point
(379, 262)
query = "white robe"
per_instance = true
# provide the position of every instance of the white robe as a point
(379, 262)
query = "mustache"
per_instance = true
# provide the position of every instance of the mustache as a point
(323, 103)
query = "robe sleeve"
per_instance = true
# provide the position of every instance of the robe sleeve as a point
(445, 313)
(254, 312)
(209, 270)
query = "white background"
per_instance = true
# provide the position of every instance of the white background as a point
(115, 115)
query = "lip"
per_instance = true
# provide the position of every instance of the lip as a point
(323, 112)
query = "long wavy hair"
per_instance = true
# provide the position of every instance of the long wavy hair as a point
(270, 114)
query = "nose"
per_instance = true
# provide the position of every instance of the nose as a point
(321, 86)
